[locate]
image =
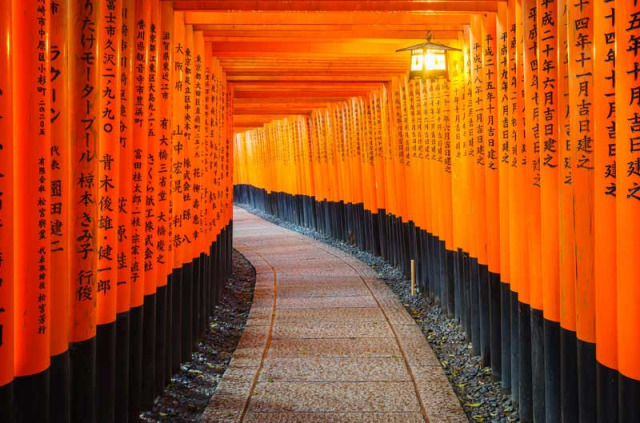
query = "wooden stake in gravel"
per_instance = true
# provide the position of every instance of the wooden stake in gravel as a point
(413, 278)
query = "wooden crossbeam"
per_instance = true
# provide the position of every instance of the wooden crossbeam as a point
(336, 5)
(300, 94)
(291, 76)
(284, 57)
(324, 18)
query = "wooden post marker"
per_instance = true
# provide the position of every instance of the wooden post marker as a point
(413, 278)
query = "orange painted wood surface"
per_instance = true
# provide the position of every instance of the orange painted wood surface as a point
(108, 156)
(32, 172)
(627, 183)
(6, 190)
(60, 210)
(125, 172)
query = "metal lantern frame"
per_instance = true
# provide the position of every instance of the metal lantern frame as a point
(429, 60)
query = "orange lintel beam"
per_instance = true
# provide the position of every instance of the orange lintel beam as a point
(294, 77)
(324, 40)
(303, 55)
(358, 35)
(304, 92)
(283, 102)
(306, 66)
(272, 94)
(337, 5)
(277, 108)
(334, 48)
(278, 111)
(317, 60)
(307, 86)
(312, 74)
(319, 18)
(311, 67)
(326, 30)
(244, 128)
(257, 120)
(283, 99)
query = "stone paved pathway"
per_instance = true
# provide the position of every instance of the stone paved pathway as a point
(326, 341)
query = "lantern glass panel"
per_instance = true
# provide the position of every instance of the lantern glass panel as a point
(417, 60)
(435, 60)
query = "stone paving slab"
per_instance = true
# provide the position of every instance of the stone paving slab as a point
(318, 279)
(318, 369)
(343, 314)
(332, 330)
(326, 341)
(324, 290)
(415, 346)
(256, 337)
(334, 417)
(334, 397)
(327, 302)
(350, 347)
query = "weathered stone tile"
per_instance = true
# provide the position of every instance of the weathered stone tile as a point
(358, 347)
(334, 397)
(332, 330)
(334, 417)
(328, 369)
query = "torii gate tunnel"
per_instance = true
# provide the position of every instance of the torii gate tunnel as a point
(127, 127)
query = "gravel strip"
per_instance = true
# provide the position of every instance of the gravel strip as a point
(481, 395)
(189, 391)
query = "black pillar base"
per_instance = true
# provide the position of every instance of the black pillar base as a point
(59, 390)
(123, 355)
(82, 357)
(32, 398)
(568, 376)
(552, 386)
(106, 373)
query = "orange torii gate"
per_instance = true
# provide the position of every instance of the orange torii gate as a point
(89, 155)
(510, 183)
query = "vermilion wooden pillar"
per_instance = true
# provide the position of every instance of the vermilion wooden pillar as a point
(448, 104)
(504, 143)
(399, 148)
(140, 110)
(164, 258)
(6, 215)
(581, 67)
(566, 259)
(415, 209)
(149, 208)
(604, 210)
(437, 175)
(547, 59)
(627, 207)
(457, 133)
(531, 328)
(473, 325)
(124, 207)
(83, 115)
(517, 223)
(60, 210)
(188, 195)
(108, 157)
(491, 163)
(177, 174)
(32, 154)
(198, 206)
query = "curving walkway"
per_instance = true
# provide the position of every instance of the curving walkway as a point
(326, 341)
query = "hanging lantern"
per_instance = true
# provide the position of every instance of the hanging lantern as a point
(428, 60)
